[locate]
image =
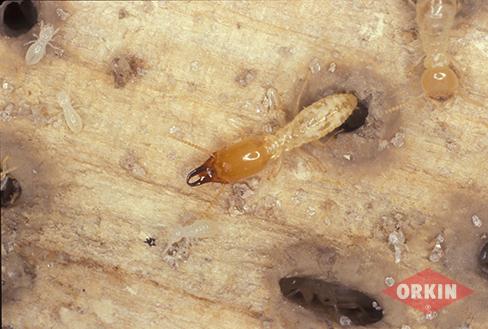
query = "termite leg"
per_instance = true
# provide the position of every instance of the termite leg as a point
(30, 42)
(54, 47)
(275, 168)
(415, 65)
(296, 107)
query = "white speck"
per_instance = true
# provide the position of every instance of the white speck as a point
(299, 196)
(347, 157)
(7, 87)
(174, 130)
(270, 99)
(6, 113)
(389, 281)
(34, 171)
(376, 306)
(398, 140)
(476, 221)
(195, 65)
(397, 240)
(383, 144)
(311, 211)
(314, 66)
(62, 14)
(431, 315)
(345, 321)
(437, 251)
(332, 67)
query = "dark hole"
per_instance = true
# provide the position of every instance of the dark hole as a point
(357, 119)
(483, 259)
(18, 17)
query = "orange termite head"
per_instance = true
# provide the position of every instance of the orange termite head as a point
(439, 83)
(204, 174)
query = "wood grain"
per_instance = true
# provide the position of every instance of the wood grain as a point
(91, 199)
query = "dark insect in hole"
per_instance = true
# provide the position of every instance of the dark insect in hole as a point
(151, 242)
(331, 300)
(10, 189)
(17, 17)
(357, 119)
(483, 259)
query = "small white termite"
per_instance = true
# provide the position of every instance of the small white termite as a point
(73, 119)
(200, 229)
(37, 50)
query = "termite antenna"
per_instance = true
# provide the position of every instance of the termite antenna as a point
(399, 106)
(195, 146)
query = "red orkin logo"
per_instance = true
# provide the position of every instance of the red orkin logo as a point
(428, 291)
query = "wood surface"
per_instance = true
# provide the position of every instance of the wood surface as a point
(75, 241)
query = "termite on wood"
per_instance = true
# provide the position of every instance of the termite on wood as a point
(37, 50)
(73, 119)
(435, 19)
(249, 156)
(439, 81)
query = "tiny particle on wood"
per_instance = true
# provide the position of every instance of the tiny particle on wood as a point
(130, 163)
(62, 14)
(398, 140)
(245, 77)
(123, 13)
(332, 67)
(476, 221)
(126, 68)
(151, 242)
(389, 281)
(314, 66)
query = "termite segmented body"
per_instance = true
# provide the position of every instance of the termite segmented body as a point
(435, 19)
(38, 48)
(73, 119)
(249, 156)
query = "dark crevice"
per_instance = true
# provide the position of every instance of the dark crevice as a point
(17, 17)
(357, 119)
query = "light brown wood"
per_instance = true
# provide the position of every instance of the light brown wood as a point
(75, 240)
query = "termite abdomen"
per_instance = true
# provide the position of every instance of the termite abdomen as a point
(332, 300)
(357, 119)
(439, 83)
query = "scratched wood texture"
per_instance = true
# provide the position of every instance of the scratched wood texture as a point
(91, 199)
